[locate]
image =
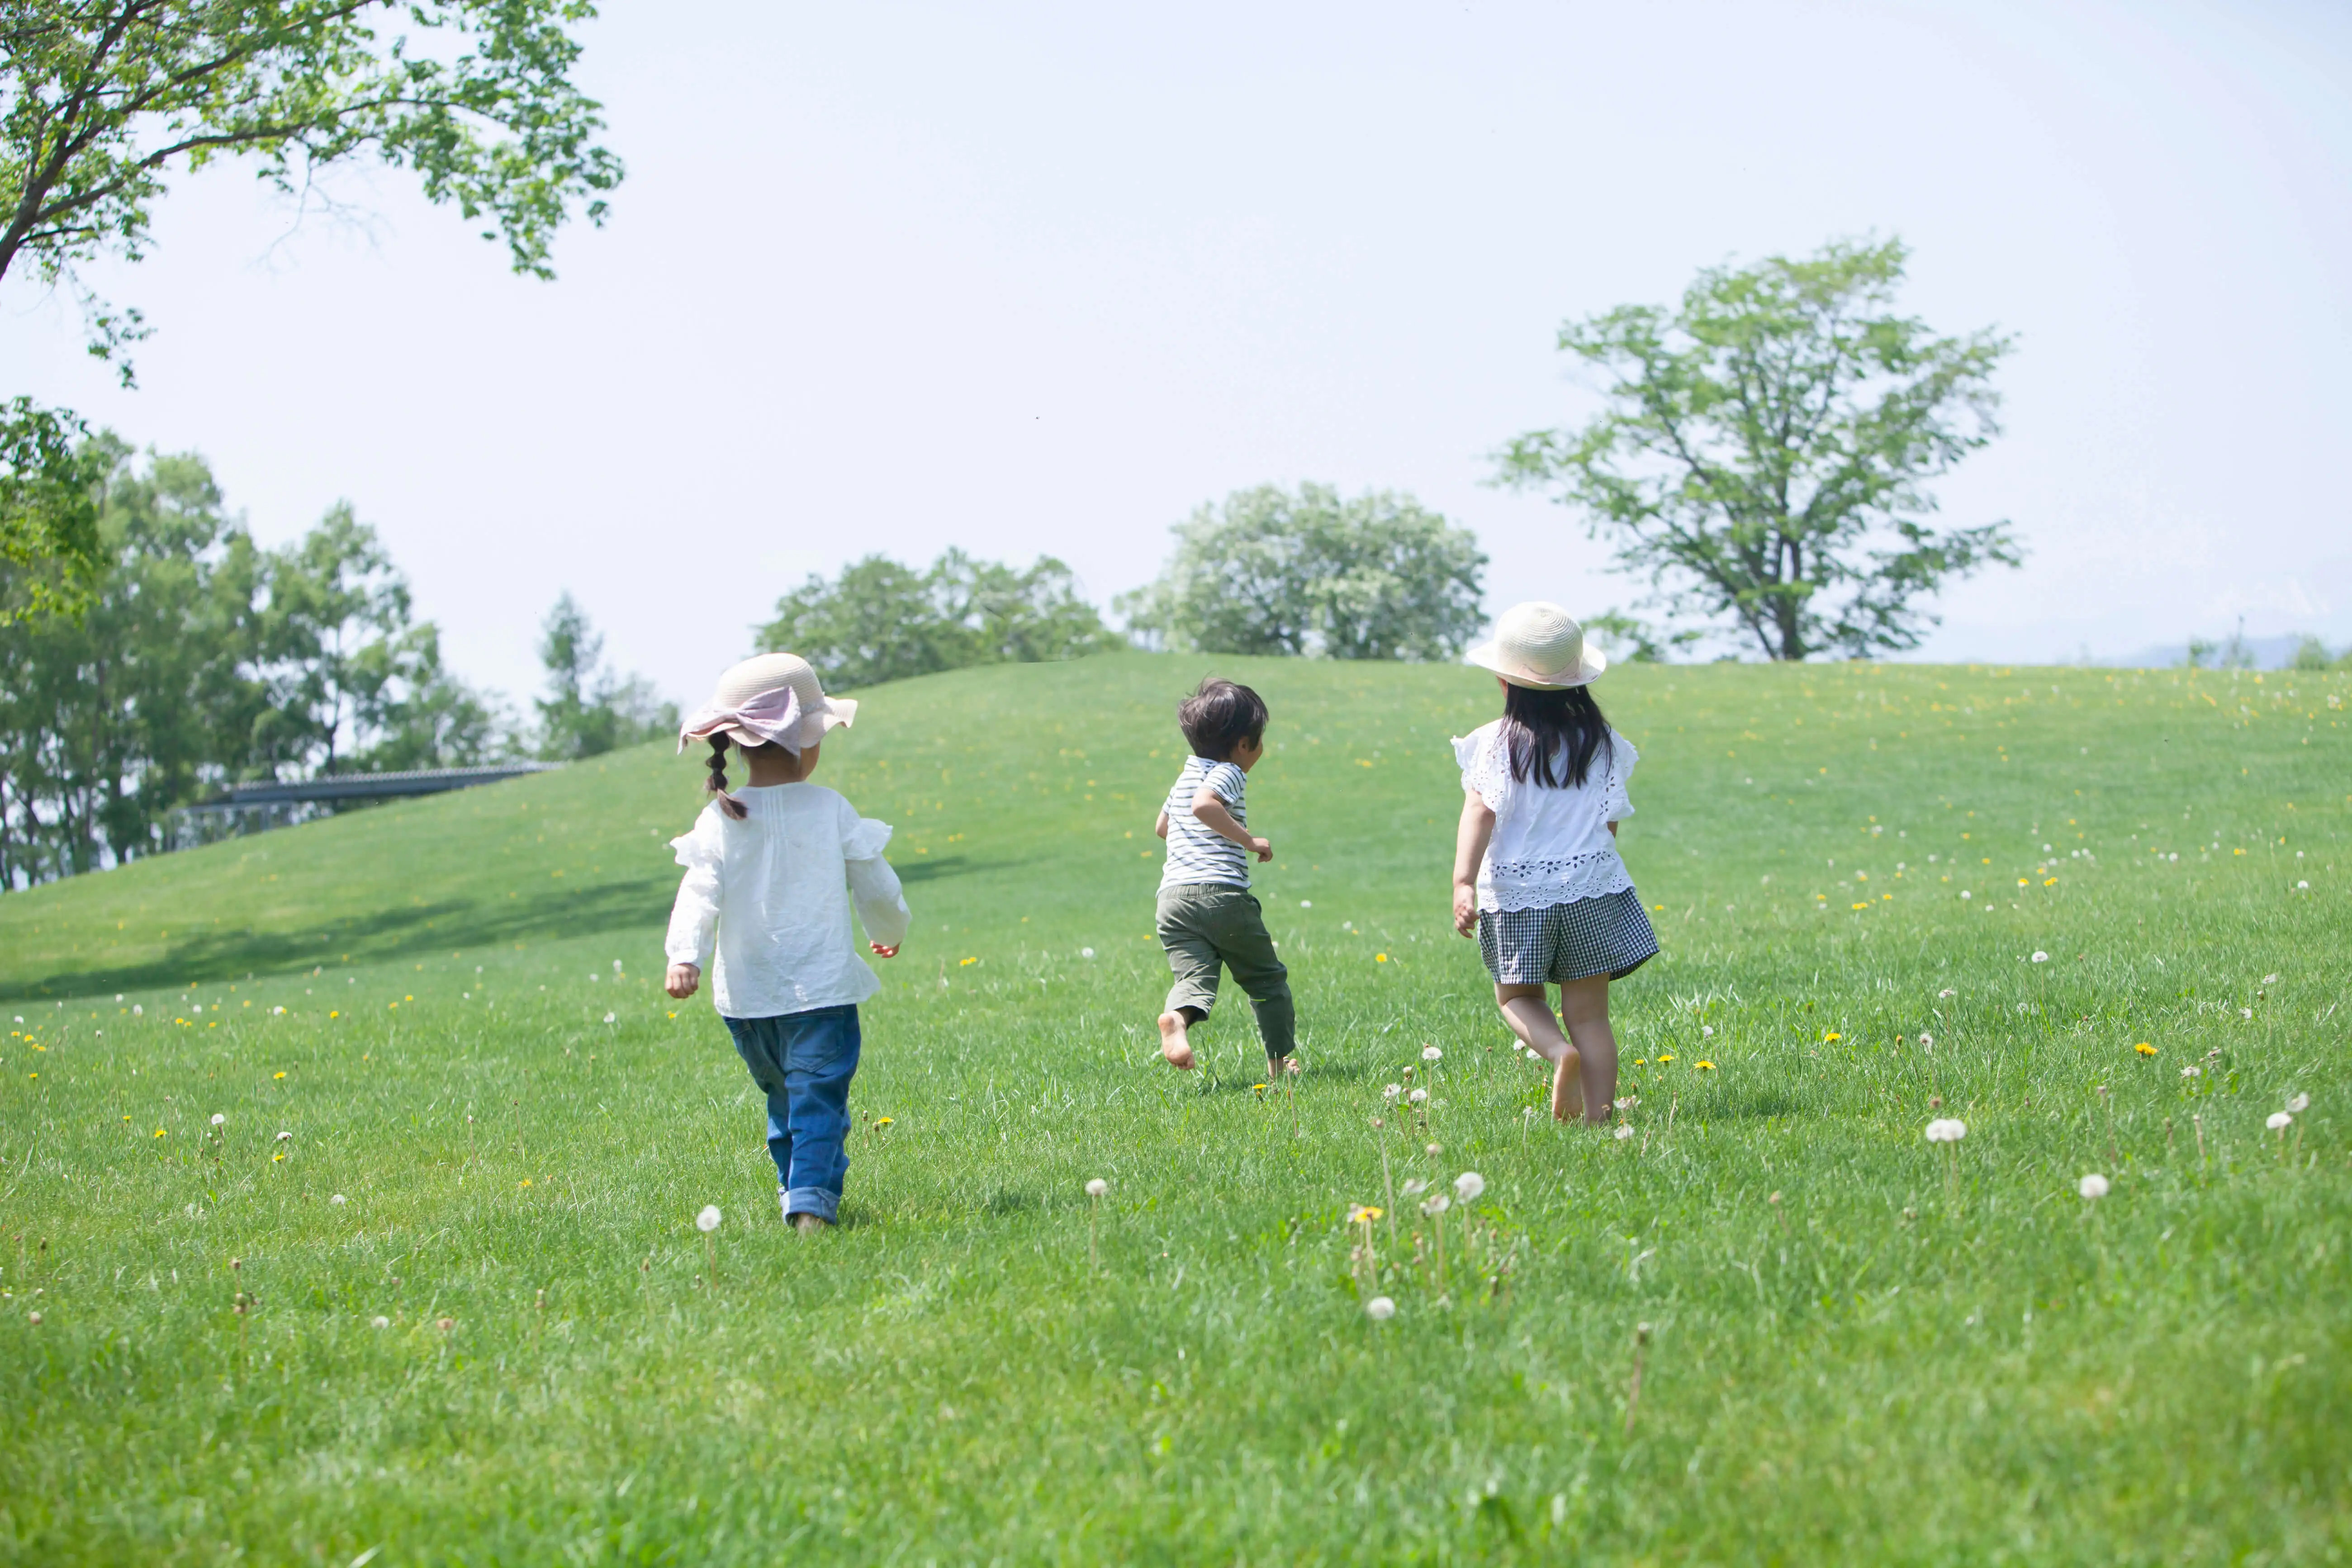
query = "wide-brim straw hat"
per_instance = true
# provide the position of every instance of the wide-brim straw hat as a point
(770, 698)
(1542, 646)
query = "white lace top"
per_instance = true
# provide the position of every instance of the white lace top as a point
(772, 894)
(1550, 846)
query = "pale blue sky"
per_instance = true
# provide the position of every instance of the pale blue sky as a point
(1032, 278)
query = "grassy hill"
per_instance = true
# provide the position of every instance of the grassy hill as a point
(1857, 1350)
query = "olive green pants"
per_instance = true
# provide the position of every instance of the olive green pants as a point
(1205, 924)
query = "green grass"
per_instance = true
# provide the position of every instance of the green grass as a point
(1898, 1361)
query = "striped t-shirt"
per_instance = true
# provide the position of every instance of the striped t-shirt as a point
(1194, 854)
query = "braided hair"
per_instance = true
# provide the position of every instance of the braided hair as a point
(717, 783)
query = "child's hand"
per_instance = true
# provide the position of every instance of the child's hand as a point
(1466, 907)
(881, 952)
(683, 980)
(1262, 849)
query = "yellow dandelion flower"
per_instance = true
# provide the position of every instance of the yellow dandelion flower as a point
(277, 1074)
(1665, 1056)
(334, 1014)
(884, 1121)
(161, 1133)
(2051, 883)
(1829, 1035)
(1380, 958)
(280, 1156)
(966, 963)
(1704, 1066)
(1363, 1214)
(524, 1183)
(2144, 1048)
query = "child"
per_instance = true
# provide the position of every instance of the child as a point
(1536, 868)
(1207, 916)
(767, 867)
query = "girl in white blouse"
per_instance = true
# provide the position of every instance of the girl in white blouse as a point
(1537, 875)
(770, 870)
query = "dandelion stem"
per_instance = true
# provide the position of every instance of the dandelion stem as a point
(1388, 1186)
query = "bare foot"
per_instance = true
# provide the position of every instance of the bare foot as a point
(1568, 1088)
(1276, 1067)
(808, 1224)
(1172, 1042)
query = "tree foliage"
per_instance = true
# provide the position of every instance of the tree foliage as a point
(1309, 575)
(880, 620)
(590, 710)
(102, 100)
(201, 658)
(1765, 451)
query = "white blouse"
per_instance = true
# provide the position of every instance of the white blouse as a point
(1550, 846)
(776, 886)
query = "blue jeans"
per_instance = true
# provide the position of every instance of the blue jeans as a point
(803, 1062)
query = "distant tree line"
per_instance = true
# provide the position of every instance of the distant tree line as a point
(199, 659)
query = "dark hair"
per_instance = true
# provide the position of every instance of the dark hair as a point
(1219, 717)
(717, 783)
(1538, 725)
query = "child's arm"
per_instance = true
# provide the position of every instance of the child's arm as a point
(692, 920)
(1470, 840)
(1209, 810)
(881, 904)
(1160, 828)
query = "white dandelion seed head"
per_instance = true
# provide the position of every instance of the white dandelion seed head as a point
(1434, 1149)
(1623, 1130)
(218, 1118)
(1308, 904)
(2299, 1103)
(1706, 1031)
(707, 1220)
(1947, 1130)
(1098, 1187)
(379, 1322)
(2278, 1121)
(2094, 1186)
(1418, 1096)
(617, 966)
(1379, 1308)
(1389, 1092)
(2245, 1012)
(338, 1199)
(1468, 1185)
(283, 1135)
(1431, 1053)
(1436, 1203)
(2192, 1070)
(1946, 991)
(610, 1016)
(2040, 957)
(277, 1009)
(2270, 979)
(1414, 1187)
(1085, 952)
(137, 1010)
(1628, 1102)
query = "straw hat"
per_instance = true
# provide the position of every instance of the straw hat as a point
(769, 698)
(1539, 646)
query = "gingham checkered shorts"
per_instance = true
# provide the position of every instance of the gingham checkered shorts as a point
(1608, 935)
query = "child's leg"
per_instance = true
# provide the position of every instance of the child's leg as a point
(760, 1043)
(1528, 1013)
(820, 1059)
(1584, 1008)
(1248, 951)
(1193, 960)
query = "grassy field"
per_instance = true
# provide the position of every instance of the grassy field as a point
(464, 1137)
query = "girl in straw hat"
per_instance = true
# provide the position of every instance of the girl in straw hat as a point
(770, 870)
(1536, 870)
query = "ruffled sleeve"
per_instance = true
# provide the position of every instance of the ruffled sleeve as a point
(694, 918)
(1618, 805)
(872, 885)
(1477, 755)
(864, 838)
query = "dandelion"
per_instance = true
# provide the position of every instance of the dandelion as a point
(218, 1118)
(1434, 1150)
(1380, 1310)
(2039, 956)
(338, 1200)
(1624, 1132)
(2144, 1048)
(138, 1011)
(2299, 1104)
(1706, 1031)
(2092, 1186)
(1362, 1213)
(1664, 1056)
(282, 1136)
(444, 1325)
(608, 1017)
(1927, 1042)
(161, 1133)
(1380, 958)
(617, 966)
(1390, 1091)
(275, 1011)
(2192, 1070)
(1468, 1185)
(379, 1321)
(1947, 1130)
(1085, 952)
(1628, 1102)
(1414, 1187)
(2279, 1122)
(1095, 1191)
(35, 1319)
(1305, 903)
(2270, 979)
(1945, 993)
(275, 1076)
(1704, 1066)
(707, 1220)
(1419, 1096)
(1431, 1054)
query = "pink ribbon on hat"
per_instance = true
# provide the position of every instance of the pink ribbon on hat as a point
(773, 716)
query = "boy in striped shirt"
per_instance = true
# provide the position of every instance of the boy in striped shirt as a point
(1207, 916)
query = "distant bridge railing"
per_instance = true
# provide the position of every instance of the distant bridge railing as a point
(258, 807)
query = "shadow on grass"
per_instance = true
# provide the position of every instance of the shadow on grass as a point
(451, 924)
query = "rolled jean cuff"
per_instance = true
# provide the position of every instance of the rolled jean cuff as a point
(825, 1205)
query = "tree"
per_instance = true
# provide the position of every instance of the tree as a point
(1630, 638)
(1765, 451)
(880, 620)
(100, 100)
(588, 710)
(1309, 574)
